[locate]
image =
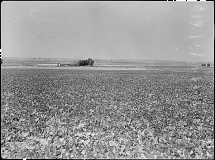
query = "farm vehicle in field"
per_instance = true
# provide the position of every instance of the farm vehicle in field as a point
(89, 62)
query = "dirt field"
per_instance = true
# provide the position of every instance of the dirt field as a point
(98, 112)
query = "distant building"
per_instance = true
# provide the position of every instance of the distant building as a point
(208, 65)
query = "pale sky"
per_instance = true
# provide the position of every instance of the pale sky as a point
(108, 30)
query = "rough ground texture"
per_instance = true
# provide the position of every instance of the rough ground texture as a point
(68, 113)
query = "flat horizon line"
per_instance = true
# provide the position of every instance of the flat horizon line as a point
(151, 59)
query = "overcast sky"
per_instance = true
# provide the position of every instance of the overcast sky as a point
(108, 30)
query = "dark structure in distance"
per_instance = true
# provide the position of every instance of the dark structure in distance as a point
(89, 62)
(208, 65)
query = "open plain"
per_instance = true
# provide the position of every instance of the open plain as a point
(111, 110)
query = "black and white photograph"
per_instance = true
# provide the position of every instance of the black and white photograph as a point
(107, 80)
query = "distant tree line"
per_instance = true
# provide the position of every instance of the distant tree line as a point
(80, 63)
(86, 62)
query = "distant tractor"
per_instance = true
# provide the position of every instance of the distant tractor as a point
(208, 65)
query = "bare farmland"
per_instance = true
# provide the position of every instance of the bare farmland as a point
(69, 113)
